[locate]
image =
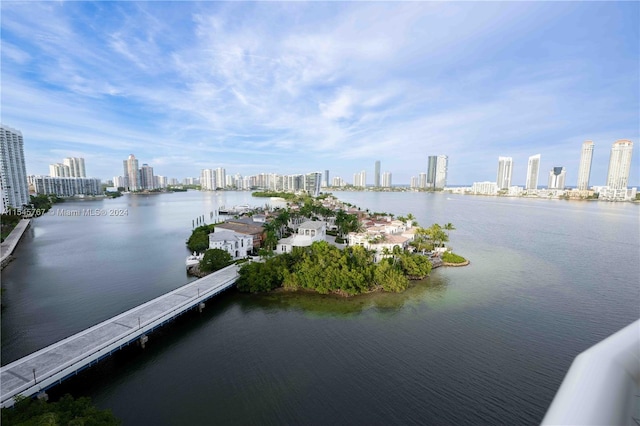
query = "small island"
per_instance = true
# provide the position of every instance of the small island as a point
(322, 245)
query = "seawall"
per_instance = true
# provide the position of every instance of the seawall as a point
(10, 243)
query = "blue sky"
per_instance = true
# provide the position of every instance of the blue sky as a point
(297, 87)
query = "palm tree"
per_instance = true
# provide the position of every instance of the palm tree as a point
(411, 219)
(449, 227)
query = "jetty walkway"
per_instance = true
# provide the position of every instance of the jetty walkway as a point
(51, 365)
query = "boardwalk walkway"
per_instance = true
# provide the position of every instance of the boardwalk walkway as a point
(51, 365)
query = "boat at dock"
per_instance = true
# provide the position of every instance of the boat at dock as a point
(236, 210)
(193, 259)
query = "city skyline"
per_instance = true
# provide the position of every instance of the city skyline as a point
(191, 86)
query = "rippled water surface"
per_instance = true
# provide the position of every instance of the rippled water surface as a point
(485, 344)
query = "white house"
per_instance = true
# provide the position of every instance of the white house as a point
(236, 244)
(307, 233)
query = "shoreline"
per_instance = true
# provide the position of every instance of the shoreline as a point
(342, 295)
(11, 242)
(465, 263)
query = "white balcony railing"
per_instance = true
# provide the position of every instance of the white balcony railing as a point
(602, 386)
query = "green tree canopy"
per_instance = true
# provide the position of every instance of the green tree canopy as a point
(215, 259)
(67, 411)
(199, 239)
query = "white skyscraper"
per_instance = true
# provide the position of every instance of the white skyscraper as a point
(76, 166)
(505, 170)
(221, 177)
(619, 164)
(584, 170)
(59, 170)
(312, 183)
(13, 181)
(208, 180)
(386, 179)
(533, 170)
(441, 171)
(119, 181)
(360, 179)
(556, 178)
(147, 181)
(132, 173)
(376, 175)
(422, 180)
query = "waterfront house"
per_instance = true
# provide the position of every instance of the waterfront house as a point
(245, 226)
(307, 233)
(236, 244)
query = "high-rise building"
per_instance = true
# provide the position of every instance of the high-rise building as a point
(119, 181)
(59, 170)
(65, 186)
(422, 180)
(442, 165)
(338, 181)
(584, 170)
(312, 183)
(533, 170)
(221, 178)
(432, 165)
(436, 176)
(415, 182)
(132, 173)
(556, 178)
(360, 179)
(146, 177)
(386, 179)
(13, 181)
(207, 180)
(161, 181)
(619, 164)
(326, 178)
(505, 170)
(376, 176)
(76, 166)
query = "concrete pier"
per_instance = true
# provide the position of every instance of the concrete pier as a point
(49, 366)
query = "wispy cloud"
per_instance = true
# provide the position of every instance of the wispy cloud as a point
(294, 87)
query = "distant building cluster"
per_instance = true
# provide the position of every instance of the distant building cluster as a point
(214, 179)
(436, 175)
(615, 189)
(66, 179)
(140, 178)
(70, 167)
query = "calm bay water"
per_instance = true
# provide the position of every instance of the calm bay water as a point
(485, 344)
